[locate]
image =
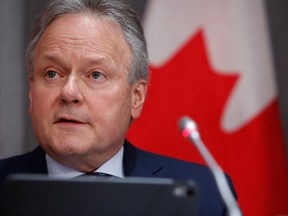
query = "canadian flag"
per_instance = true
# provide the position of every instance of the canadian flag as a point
(211, 60)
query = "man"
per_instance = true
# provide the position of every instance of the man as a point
(88, 73)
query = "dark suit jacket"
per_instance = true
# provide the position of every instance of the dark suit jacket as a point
(137, 163)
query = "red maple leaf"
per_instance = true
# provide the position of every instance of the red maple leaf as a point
(186, 85)
(253, 155)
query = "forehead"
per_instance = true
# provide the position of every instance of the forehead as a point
(84, 25)
(85, 33)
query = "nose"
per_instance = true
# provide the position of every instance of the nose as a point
(70, 92)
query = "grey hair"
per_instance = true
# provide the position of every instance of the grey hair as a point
(114, 10)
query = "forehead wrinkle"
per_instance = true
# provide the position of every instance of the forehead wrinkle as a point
(92, 51)
(97, 50)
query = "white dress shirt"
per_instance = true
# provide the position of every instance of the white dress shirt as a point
(113, 166)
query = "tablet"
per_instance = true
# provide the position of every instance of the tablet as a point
(39, 195)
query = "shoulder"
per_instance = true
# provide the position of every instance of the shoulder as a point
(171, 167)
(31, 162)
(179, 169)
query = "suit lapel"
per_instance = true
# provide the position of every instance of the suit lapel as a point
(139, 163)
(33, 162)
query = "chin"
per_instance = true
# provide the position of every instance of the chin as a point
(67, 147)
(73, 149)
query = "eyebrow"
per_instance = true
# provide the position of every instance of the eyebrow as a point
(52, 57)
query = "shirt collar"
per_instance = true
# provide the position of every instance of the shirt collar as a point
(113, 166)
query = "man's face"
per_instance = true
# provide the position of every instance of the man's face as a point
(80, 99)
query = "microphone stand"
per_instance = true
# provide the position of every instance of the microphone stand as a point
(189, 130)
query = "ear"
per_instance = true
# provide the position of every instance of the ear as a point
(139, 90)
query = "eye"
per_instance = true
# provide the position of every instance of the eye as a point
(97, 75)
(51, 74)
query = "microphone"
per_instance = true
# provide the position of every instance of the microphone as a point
(189, 130)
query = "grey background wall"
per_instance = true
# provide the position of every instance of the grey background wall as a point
(13, 84)
(16, 20)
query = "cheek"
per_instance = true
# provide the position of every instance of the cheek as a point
(122, 103)
(40, 103)
(113, 106)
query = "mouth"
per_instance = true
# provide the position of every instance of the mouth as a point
(65, 120)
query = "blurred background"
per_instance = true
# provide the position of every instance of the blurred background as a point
(223, 63)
